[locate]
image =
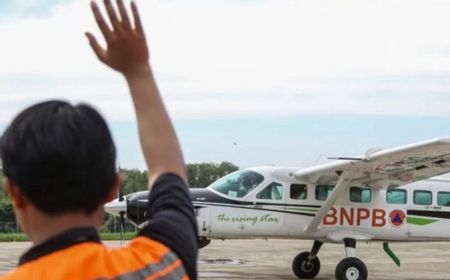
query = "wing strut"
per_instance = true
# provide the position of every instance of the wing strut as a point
(342, 184)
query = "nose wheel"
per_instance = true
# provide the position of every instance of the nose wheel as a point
(306, 265)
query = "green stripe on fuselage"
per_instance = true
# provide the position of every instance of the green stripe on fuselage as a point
(419, 221)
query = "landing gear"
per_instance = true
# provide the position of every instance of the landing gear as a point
(306, 265)
(350, 268)
(203, 242)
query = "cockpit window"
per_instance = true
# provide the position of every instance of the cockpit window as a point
(142, 195)
(238, 184)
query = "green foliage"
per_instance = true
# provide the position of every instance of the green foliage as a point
(12, 237)
(133, 180)
(7, 217)
(200, 175)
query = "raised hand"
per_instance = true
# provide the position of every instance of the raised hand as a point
(127, 53)
(126, 49)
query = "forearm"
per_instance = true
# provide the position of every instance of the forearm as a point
(159, 142)
(127, 53)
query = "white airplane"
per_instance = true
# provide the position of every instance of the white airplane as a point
(385, 195)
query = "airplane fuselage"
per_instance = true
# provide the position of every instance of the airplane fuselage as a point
(273, 204)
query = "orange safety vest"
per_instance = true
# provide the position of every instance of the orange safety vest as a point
(143, 258)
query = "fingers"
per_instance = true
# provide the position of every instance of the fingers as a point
(112, 16)
(98, 50)
(101, 22)
(137, 19)
(124, 15)
(119, 25)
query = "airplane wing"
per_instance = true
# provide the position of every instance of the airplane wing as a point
(382, 168)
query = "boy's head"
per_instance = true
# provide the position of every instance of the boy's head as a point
(61, 157)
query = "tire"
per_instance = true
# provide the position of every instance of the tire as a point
(351, 269)
(203, 243)
(304, 268)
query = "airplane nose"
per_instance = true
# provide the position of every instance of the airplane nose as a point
(116, 206)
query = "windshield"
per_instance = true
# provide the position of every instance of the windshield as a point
(142, 195)
(237, 184)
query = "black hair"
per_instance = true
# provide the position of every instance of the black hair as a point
(62, 157)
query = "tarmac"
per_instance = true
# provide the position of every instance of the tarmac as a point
(271, 259)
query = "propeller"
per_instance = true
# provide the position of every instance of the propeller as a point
(122, 226)
(120, 196)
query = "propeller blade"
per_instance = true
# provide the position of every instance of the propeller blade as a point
(122, 227)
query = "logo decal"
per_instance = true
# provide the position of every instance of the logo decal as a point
(397, 218)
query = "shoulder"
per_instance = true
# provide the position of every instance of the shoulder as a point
(141, 259)
(18, 273)
(171, 219)
(145, 257)
(169, 182)
(145, 248)
(73, 262)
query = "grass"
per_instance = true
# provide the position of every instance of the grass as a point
(106, 236)
(11, 237)
(116, 236)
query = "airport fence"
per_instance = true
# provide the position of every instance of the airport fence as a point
(9, 227)
(105, 236)
(111, 230)
(111, 225)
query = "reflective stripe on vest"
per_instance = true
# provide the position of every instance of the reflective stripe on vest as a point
(169, 268)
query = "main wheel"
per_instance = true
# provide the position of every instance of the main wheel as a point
(351, 269)
(203, 242)
(305, 268)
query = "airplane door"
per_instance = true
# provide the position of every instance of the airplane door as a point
(422, 215)
(268, 210)
(259, 215)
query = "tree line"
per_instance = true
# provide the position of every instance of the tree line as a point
(200, 175)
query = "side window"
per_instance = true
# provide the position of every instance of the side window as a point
(360, 194)
(444, 198)
(273, 191)
(299, 191)
(323, 191)
(423, 197)
(396, 196)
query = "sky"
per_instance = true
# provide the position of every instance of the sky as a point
(254, 82)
